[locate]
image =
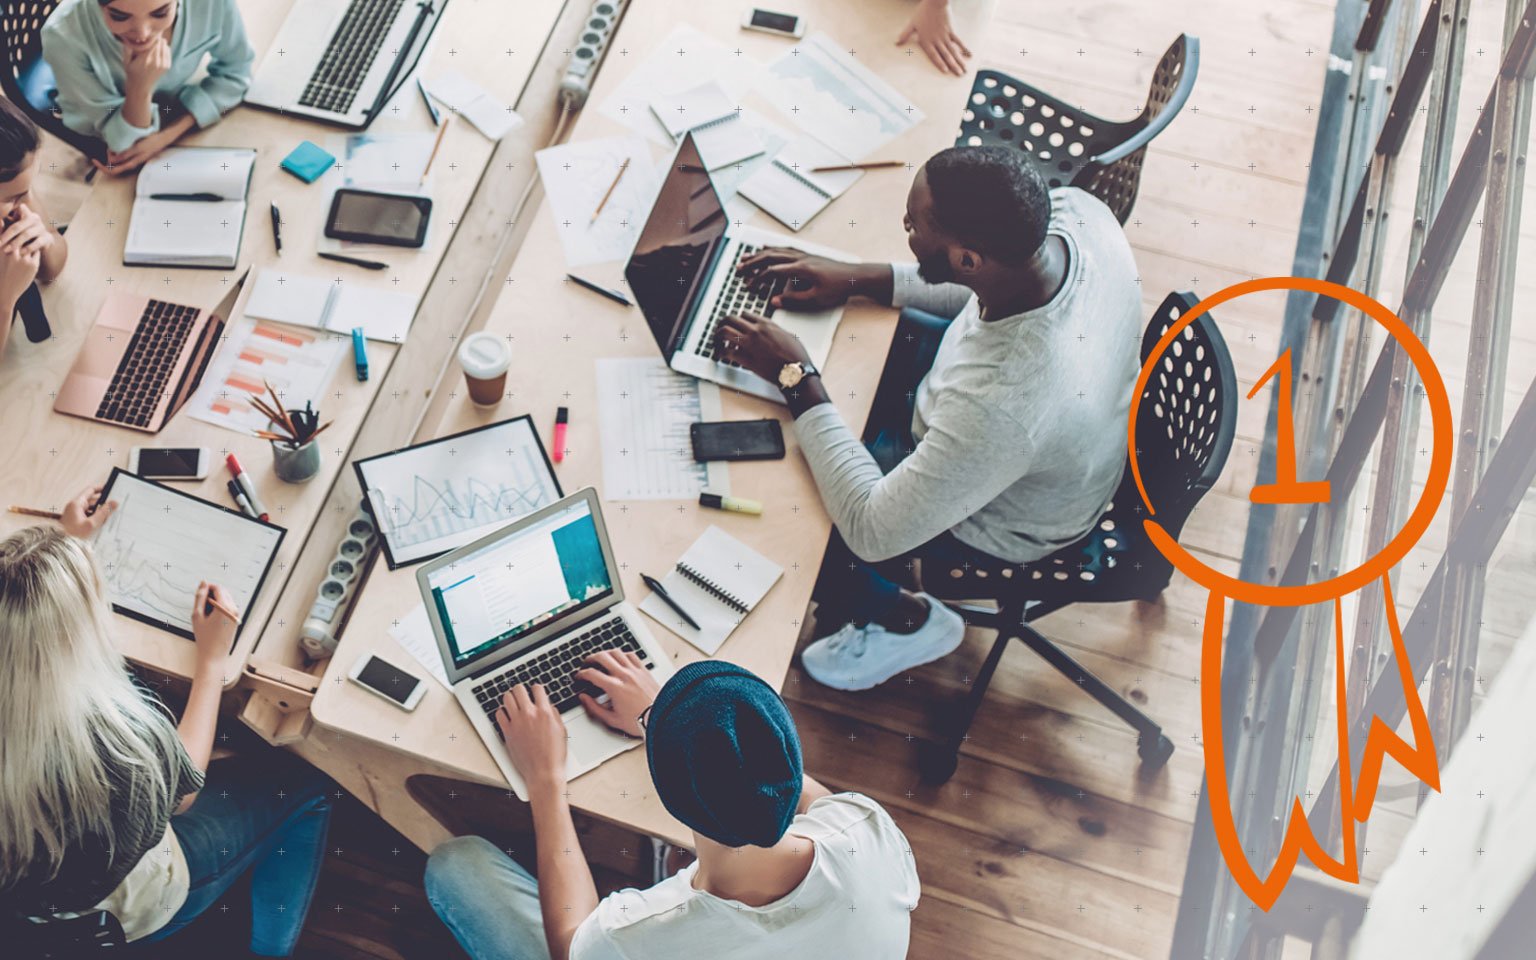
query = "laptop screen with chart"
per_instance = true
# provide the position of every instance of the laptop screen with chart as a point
(437, 496)
(523, 579)
(160, 543)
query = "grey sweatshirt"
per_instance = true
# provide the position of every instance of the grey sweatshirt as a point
(1020, 424)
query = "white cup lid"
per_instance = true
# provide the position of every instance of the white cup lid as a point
(484, 355)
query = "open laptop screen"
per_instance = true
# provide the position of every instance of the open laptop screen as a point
(520, 583)
(672, 256)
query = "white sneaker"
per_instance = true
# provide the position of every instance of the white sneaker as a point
(858, 658)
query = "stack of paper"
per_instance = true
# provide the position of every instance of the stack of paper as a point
(327, 305)
(474, 103)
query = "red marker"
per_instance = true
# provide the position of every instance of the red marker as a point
(562, 415)
(244, 480)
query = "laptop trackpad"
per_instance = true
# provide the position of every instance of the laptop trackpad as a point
(591, 743)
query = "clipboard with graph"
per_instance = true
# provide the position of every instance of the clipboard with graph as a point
(437, 496)
(160, 543)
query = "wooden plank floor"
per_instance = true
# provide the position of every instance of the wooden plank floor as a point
(1047, 842)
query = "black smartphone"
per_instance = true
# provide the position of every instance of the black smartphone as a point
(366, 216)
(737, 440)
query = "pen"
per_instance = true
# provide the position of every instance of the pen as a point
(562, 417)
(365, 264)
(360, 353)
(47, 514)
(733, 504)
(204, 197)
(872, 165)
(613, 295)
(244, 480)
(666, 598)
(426, 98)
(240, 498)
(213, 605)
(277, 229)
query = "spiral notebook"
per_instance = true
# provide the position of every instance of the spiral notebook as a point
(718, 581)
(787, 190)
(722, 136)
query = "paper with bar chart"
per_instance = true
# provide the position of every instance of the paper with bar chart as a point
(160, 543)
(645, 412)
(437, 496)
(298, 363)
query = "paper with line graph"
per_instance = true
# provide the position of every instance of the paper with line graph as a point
(298, 363)
(160, 543)
(439, 495)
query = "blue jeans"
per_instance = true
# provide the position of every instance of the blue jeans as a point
(488, 900)
(849, 590)
(269, 813)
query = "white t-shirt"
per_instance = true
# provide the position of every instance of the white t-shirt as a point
(153, 891)
(854, 904)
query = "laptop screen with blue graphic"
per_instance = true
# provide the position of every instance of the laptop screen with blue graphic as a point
(524, 580)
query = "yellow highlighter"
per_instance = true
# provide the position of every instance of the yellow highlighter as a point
(733, 504)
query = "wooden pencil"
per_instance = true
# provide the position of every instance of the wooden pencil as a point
(616, 178)
(435, 145)
(872, 165)
(232, 615)
(35, 512)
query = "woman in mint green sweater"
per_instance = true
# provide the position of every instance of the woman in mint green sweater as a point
(117, 63)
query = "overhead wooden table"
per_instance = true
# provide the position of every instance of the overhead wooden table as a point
(557, 333)
(52, 456)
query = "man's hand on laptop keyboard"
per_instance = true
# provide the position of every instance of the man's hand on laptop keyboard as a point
(814, 283)
(630, 688)
(534, 735)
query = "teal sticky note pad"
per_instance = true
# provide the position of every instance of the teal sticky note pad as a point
(308, 162)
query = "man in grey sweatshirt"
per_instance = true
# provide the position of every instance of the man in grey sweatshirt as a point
(1017, 429)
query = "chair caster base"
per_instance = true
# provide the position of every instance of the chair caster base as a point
(1154, 753)
(936, 764)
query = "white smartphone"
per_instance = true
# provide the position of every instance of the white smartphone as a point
(783, 24)
(169, 463)
(379, 676)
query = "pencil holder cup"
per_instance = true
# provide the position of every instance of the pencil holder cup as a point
(295, 464)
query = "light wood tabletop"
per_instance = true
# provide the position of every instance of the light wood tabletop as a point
(53, 456)
(558, 331)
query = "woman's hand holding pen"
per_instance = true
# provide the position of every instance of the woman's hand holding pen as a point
(83, 515)
(213, 626)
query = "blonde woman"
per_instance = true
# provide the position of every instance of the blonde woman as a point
(103, 801)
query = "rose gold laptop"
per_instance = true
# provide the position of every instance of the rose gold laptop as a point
(143, 359)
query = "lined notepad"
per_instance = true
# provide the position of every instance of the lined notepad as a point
(787, 190)
(188, 232)
(722, 136)
(718, 581)
(308, 301)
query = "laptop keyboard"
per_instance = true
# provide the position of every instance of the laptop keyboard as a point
(336, 79)
(146, 367)
(556, 668)
(736, 298)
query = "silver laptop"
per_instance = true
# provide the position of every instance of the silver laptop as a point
(683, 276)
(528, 604)
(341, 60)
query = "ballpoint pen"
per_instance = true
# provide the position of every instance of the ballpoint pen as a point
(354, 261)
(204, 197)
(666, 598)
(277, 229)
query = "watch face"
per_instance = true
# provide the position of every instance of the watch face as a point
(790, 375)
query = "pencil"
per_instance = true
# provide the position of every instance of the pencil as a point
(872, 165)
(35, 512)
(232, 615)
(435, 144)
(278, 406)
(616, 178)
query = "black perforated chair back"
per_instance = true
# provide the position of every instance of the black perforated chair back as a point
(1184, 429)
(26, 80)
(1070, 146)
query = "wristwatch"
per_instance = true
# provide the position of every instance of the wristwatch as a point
(791, 374)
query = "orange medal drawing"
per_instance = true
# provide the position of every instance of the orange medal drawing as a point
(1417, 758)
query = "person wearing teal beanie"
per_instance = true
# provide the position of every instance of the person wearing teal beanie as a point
(784, 865)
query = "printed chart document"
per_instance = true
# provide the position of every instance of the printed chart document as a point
(439, 495)
(576, 175)
(644, 413)
(787, 190)
(836, 99)
(718, 581)
(160, 543)
(298, 363)
(414, 633)
(189, 208)
(324, 304)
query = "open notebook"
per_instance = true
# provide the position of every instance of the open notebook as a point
(722, 136)
(787, 190)
(718, 581)
(309, 301)
(189, 208)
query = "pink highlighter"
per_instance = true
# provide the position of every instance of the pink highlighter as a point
(562, 416)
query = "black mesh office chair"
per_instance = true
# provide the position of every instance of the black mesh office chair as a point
(26, 79)
(1184, 427)
(1070, 146)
